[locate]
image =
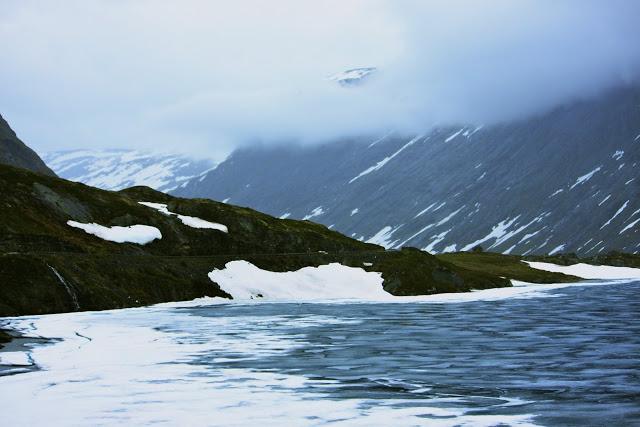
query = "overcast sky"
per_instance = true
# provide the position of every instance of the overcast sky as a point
(205, 76)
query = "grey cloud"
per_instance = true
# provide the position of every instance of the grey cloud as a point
(206, 76)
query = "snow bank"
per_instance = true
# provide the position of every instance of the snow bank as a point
(190, 221)
(244, 280)
(588, 271)
(140, 234)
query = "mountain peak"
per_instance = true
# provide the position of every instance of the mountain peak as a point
(353, 76)
(14, 152)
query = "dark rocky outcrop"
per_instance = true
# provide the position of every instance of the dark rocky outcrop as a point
(15, 153)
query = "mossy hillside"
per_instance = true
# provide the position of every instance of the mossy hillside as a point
(414, 272)
(29, 285)
(615, 258)
(35, 240)
(509, 266)
(250, 232)
(97, 274)
(35, 209)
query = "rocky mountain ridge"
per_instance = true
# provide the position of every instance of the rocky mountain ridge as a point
(564, 181)
(14, 152)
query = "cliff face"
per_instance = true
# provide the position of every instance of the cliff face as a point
(14, 152)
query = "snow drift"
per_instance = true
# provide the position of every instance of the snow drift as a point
(190, 221)
(140, 234)
(588, 271)
(243, 280)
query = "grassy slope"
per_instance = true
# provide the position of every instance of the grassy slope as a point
(34, 240)
(615, 258)
(510, 266)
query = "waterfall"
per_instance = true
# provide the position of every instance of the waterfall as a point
(69, 289)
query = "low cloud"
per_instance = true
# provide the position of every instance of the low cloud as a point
(204, 77)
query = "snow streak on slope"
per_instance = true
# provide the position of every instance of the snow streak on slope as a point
(383, 237)
(586, 177)
(190, 221)
(618, 212)
(118, 169)
(386, 160)
(314, 213)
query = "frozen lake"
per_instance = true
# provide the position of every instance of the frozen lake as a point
(562, 356)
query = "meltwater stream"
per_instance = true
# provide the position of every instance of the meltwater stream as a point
(568, 357)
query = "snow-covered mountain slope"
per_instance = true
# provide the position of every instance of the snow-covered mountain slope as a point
(117, 169)
(564, 181)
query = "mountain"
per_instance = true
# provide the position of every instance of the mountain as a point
(118, 169)
(352, 77)
(65, 246)
(15, 153)
(563, 181)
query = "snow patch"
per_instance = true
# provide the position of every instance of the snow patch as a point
(557, 249)
(450, 248)
(140, 234)
(314, 213)
(586, 177)
(436, 239)
(190, 221)
(588, 271)
(244, 281)
(497, 232)
(383, 237)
